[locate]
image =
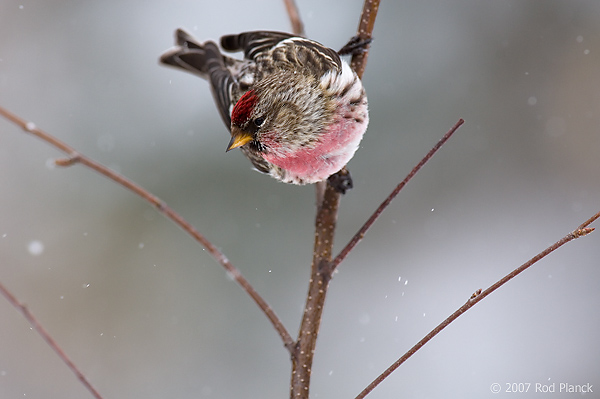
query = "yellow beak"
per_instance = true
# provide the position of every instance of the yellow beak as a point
(238, 138)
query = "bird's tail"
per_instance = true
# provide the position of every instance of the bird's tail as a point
(206, 61)
(192, 56)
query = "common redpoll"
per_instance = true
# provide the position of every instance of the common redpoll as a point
(293, 106)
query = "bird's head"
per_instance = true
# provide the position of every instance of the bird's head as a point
(282, 114)
(246, 120)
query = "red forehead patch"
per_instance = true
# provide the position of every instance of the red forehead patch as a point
(243, 108)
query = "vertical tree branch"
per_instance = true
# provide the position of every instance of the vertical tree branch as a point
(317, 290)
(365, 33)
(325, 223)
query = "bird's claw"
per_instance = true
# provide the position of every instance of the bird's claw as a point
(355, 46)
(341, 181)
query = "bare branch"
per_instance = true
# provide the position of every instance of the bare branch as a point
(365, 32)
(162, 207)
(589, 221)
(295, 20)
(321, 270)
(49, 340)
(477, 297)
(361, 232)
(317, 291)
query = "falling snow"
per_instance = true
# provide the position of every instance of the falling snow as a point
(50, 163)
(35, 247)
(364, 319)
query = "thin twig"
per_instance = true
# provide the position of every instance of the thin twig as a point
(321, 270)
(295, 20)
(49, 340)
(477, 297)
(361, 232)
(589, 221)
(162, 207)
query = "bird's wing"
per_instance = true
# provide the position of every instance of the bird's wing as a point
(254, 44)
(283, 49)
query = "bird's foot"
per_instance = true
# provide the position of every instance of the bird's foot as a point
(355, 46)
(341, 181)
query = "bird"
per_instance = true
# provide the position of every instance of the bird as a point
(293, 106)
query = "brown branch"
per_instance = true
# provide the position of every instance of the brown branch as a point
(581, 231)
(589, 221)
(49, 340)
(294, 14)
(325, 223)
(361, 232)
(365, 33)
(317, 290)
(161, 206)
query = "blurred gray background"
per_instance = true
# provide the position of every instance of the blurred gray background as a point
(146, 313)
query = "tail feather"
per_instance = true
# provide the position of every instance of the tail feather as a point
(192, 56)
(206, 61)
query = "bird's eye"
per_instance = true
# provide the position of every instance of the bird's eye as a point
(259, 121)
